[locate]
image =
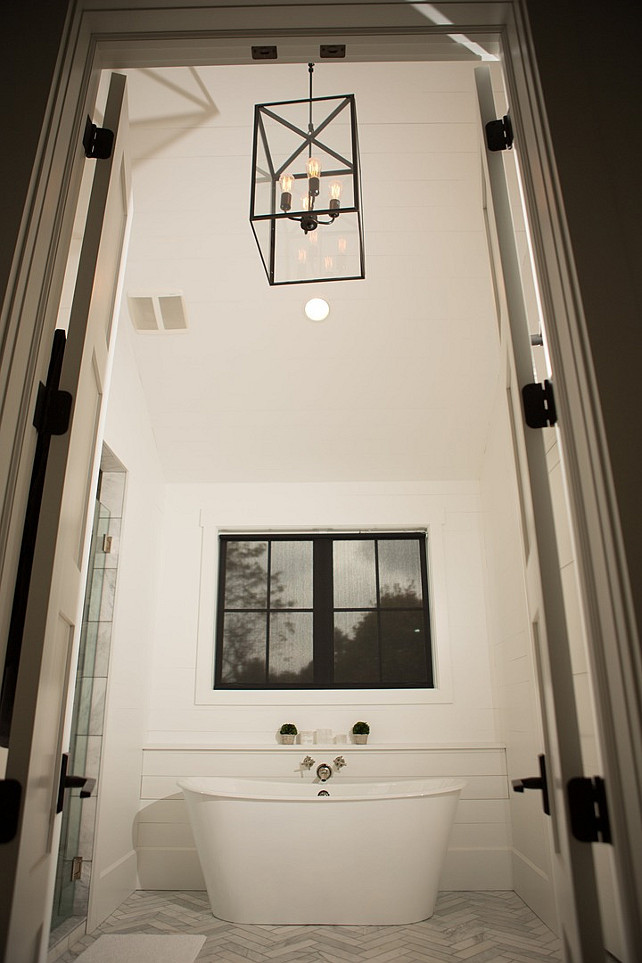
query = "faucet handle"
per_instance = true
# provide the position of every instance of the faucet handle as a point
(339, 762)
(307, 763)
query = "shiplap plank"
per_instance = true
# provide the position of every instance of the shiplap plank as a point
(174, 762)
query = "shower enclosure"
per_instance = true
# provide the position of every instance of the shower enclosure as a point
(73, 872)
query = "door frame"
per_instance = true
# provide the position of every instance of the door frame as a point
(212, 32)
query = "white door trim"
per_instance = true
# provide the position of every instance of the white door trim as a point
(210, 32)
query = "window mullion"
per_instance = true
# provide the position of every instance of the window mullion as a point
(267, 613)
(423, 560)
(220, 612)
(378, 587)
(323, 620)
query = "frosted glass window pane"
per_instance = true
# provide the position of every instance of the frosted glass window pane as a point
(291, 575)
(356, 648)
(355, 584)
(357, 603)
(246, 575)
(403, 648)
(399, 573)
(244, 641)
(290, 658)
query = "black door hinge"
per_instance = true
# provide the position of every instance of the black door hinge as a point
(499, 134)
(10, 796)
(97, 141)
(588, 810)
(53, 406)
(539, 405)
(53, 410)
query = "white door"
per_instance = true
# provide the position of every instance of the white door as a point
(56, 589)
(573, 869)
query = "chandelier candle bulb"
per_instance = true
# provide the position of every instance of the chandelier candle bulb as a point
(313, 168)
(286, 181)
(335, 202)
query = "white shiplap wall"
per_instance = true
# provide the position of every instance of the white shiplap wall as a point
(479, 855)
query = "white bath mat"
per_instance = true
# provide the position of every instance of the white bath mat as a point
(142, 948)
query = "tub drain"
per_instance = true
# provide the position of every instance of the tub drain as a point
(323, 792)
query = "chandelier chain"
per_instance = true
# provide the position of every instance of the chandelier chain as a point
(310, 126)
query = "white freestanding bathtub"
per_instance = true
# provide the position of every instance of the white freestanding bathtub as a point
(277, 852)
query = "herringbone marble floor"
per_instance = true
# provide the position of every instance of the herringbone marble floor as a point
(475, 927)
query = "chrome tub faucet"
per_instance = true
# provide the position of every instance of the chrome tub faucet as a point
(339, 763)
(307, 763)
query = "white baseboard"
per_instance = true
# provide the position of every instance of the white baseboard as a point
(71, 937)
(535, 887)
(111, 887)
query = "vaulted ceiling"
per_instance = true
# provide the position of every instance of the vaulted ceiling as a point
(398, 382)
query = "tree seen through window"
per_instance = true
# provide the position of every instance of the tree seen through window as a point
(323, 611)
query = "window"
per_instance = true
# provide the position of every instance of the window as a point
(323, 611)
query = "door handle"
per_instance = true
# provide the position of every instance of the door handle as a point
(68, 781)
(84, 783)
(536, 782)
(50, 418)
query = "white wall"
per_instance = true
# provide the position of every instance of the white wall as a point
(183, 707)
(129, 436)
(450, 730)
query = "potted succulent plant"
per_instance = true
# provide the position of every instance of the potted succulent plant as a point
(288, 732)
(360, 732)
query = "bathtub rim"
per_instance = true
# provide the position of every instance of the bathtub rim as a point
(418, 787)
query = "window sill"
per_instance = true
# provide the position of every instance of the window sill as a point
(324, 697)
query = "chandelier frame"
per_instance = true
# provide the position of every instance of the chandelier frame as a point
(318, 217)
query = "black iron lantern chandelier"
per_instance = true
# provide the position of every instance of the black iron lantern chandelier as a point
(306, 194)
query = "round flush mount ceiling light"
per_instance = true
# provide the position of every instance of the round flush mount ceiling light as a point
(317, 309)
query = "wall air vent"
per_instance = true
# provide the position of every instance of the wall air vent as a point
(157, 313)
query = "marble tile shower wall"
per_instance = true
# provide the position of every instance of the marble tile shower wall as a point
(94, 661)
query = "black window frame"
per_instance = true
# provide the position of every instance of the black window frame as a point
(323, 609)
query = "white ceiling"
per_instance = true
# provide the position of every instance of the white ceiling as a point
(397, 384)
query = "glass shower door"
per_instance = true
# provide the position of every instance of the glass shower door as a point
(76, 838)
